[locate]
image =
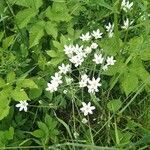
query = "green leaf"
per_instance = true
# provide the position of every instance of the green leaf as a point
(1, 35)
(19, 95)
(9, 134)
(36, 33)
(23, 17)
(35, 4)
(52, 53)
(114, 105)
(27, 83)
(129, 82)
(51, 29)
(2, 82)
(110, 46)
(8, 41)
(38, 133)
(35, 93)
(11, 77)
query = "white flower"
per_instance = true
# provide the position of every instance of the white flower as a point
(56, 79)
(93, 85)
(88, 50)
(64, 68)
(77, 60)
(110, 60)
(76, 135)
(126, 5)
(94, 45)
(65, 91)
(105, 67)
(126, 24)
(98, 59)
(84, 80)
(68, 80)
(109, 29)
(52, 87)
(84, 120)
(22, 106)
(77, 49)
(69, 50)
(87, 108)
(85, 37)
(97, 34)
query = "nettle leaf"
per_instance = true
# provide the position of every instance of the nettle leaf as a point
(51, 29)
(4, 104)
(36, 33)
(11, 77)
(114, 105)
(38, 133)
(28, 3)
(129, 82)
(2, 82)
(23, 17)
(110, 46)
(58, 12)
(8, 41)
(27, 83)
(19, 95)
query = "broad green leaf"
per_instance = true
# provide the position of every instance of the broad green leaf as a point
(51, 29)
(35, 93)
(4, 111)
(9, 134)
(2, 82)
(35, 4)
(44, 128)
(52, 53)
(114, 105)
(36, 33)
(129, 82)
(23, 17)
(11, 77)
(38, 133)
(27, 83)
(8, 41)
(19, 95)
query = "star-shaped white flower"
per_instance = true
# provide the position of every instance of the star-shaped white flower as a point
(52, 87)
(126, 24)
(88, 50)
(126, 5)
(98, 59)
(109, 29)
(87, 108)
(93, 85)
(97, 34)
(105, 67)
(56, 78)
(64, 68)
(84, 80)
(22, 106)
(94, 45)
(110, 60)
(85, 37)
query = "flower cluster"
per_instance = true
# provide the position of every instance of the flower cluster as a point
(126, 5)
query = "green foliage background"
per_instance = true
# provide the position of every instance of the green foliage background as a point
(32, 38)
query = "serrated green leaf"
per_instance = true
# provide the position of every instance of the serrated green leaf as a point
(38, 133)
(52, 53)
(19, 95)
(11, 77)
(129, 82)
(2, 82)
(51, 29)
(114, 105)
(23, 17)
(28, 83)
(36, 33)
(8, 41)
